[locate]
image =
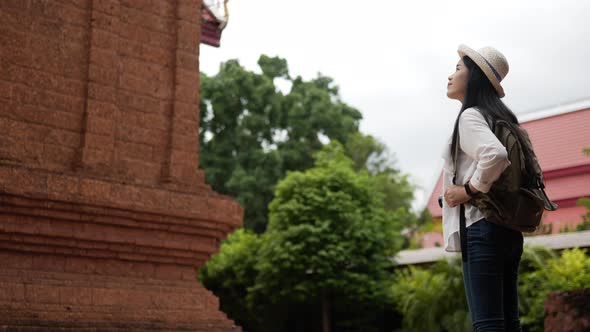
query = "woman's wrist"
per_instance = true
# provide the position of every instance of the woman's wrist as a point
(470, 190)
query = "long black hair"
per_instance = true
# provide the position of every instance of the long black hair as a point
(480, 93)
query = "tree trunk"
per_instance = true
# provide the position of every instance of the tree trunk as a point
(325, 313)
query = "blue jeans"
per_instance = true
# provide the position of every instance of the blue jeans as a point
(490, 276)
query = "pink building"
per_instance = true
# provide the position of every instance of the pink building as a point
(559, 136)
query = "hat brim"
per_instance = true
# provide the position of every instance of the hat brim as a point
(483, 65)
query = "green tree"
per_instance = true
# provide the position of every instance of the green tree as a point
(329, 237)
(230, 273)
(251, 133)
(368, 153)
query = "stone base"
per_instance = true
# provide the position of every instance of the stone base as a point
(568, 311)
(40, 292)
(106, 256)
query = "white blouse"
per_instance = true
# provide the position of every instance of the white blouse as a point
(482, 159)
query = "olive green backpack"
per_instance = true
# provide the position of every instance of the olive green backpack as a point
(517, 199)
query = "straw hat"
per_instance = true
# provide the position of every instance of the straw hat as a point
(492, 63)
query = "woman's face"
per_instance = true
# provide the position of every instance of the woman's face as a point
(458, 82)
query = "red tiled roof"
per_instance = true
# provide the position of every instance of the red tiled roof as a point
(558, 141)
(211, 27)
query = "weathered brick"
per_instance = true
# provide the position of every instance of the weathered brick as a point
(58, 155)
(76, 16)
(105, 39)
(104, 75)
(11, 260)
(128, 99)
(109, 7)
(140, 170)
(48, 55)
(75, 295)
(157, 55)
(5, 90)
(186, 111)
(63, 184)
(56, 83)
(97, 159)
(183, 157)
(48, 28)
(146, 19)
(100, 125)
(186, 127)
(12, 292)
(81, 4)
(63, 138)
(161, 40)
(101, 92)
(82, 265)
(99, 142)
(75, 34)
(189, 11)
(46, 8)
(188, 36)
(101, 109)
(104, 57)
(24, 95)
(141, 135)
(186, 60)
(12, 46)
(104, 21)
(188, 94)
(13, 20)
(22, 5)
(187, 77)
(135, 150)
(134, 34)
(154, 121)
(95, 189)
(48, 263)
(188, 143)
(59, 119)
(55, 101)
(165, 271)
(41, 293)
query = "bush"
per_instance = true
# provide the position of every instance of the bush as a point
(569, 271)
(432, 300)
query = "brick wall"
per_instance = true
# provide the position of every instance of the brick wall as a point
(568, 311)
(106, 85)
(104, 215)
(43, 70)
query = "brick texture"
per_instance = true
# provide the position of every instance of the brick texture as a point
(105, 218)
(568, 311)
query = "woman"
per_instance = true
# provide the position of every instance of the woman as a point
(491, 253)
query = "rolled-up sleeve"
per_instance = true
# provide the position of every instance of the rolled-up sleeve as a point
(479, 142)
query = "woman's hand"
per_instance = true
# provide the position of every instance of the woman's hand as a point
(456, 195)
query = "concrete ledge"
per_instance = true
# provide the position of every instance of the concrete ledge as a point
(556, 242)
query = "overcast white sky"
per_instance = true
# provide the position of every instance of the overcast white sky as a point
(391, 59)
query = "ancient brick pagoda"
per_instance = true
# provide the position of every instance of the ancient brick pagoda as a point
(104, 215)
